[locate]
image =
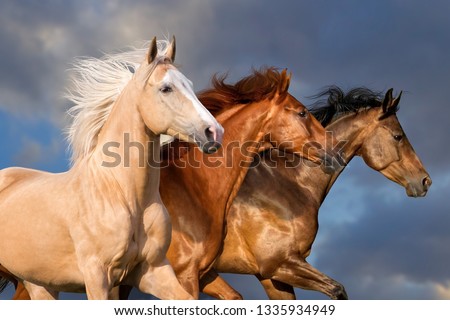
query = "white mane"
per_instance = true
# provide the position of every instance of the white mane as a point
(96, 85)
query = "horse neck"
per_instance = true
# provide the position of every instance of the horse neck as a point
(305, 176)
(246, 133)
(243, 127)
(133, 170)
(352, 129)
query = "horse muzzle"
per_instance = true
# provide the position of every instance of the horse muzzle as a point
(212, 140)
(419, 188)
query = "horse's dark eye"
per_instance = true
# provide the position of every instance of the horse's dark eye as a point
(302, 114)
(166, 89)
(398, 137)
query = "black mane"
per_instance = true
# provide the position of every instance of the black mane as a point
(334, 102)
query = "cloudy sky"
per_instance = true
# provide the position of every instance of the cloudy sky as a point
(373, 239)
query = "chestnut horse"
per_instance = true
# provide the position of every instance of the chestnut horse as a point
(273, 221)
(258, 114)
(102, 223)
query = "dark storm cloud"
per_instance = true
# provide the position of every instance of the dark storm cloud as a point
(32, 37)
(379, 44)
(39, 41)
(369, 229)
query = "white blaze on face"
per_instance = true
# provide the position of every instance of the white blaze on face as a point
(184, 86)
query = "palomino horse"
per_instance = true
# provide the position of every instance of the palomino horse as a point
(102, 223)
(273, 221)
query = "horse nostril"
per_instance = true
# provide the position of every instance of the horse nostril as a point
(210, 133)
(426, 182)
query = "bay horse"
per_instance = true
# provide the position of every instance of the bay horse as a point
(273, 220)
(258, 113)
(102, 223)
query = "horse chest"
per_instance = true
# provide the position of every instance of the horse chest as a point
(114, 234)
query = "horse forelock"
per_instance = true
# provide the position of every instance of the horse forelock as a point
(96, 84)
(261, 84)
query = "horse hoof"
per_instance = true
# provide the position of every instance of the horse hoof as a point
(340, 293)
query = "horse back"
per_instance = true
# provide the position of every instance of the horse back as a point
(14, 175)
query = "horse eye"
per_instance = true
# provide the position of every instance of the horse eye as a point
(302, 114)
(398, 137)
(166, 89)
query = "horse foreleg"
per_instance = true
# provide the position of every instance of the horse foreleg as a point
(159, 280)
(96, 282)
(214, 285)
(114, 293)
(277, 290)
(301, 274)
(21, 292)
(40, 293)
(189, 279)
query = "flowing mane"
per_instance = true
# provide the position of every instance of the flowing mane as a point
(261, 84)
(96, 84)
(334, 102)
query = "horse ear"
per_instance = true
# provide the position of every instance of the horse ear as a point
(288, 81)
(171, 50)
(283, 86)
(396, 101)
(152, 51)
(387, 100)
